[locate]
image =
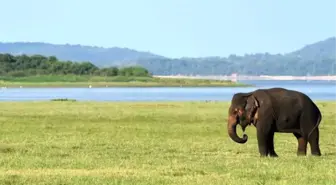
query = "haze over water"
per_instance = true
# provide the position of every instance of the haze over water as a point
(317, 90)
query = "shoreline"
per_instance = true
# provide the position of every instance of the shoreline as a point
(97, 84)
(246, 77)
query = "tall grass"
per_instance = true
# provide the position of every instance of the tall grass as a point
(85, 143)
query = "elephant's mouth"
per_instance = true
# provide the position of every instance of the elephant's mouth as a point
(244, 126)
(243, 123)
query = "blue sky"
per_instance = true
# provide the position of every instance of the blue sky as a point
(172, 28)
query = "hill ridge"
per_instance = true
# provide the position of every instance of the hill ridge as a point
(314, 59)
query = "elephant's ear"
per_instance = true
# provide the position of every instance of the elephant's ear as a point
(256, 102)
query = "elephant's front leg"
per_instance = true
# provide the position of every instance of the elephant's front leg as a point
(263, 135)
(262, 142)
(270, 144)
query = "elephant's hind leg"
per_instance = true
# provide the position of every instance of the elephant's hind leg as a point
(302, 145)
(314, 143)
(308, 126)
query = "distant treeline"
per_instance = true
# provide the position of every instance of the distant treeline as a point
(24, 65)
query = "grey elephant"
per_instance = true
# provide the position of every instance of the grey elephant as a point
(276, 110)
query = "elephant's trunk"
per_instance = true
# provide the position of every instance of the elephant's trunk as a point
(232, 124)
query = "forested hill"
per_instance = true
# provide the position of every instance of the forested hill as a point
(314, 59)
(98, 55)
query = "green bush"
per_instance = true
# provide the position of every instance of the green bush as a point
(23, 65)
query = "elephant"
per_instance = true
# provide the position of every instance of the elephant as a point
(276, 110)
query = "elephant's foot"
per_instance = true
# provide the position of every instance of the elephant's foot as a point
(316, 153)
(301, 154)
(273, 154)
(263, 155)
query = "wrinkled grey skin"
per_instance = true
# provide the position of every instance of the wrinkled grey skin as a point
(276, 110)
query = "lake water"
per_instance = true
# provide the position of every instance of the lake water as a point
(317, 90)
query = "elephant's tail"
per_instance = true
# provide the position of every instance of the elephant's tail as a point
(316, 125)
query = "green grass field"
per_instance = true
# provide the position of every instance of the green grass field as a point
(115, 81)
(86, 143)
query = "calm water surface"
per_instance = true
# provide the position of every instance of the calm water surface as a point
(317, 90)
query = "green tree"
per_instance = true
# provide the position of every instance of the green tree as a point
(23, 65)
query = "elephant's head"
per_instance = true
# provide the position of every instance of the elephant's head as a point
(242, 111)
